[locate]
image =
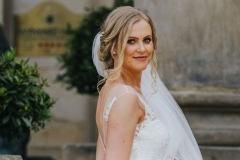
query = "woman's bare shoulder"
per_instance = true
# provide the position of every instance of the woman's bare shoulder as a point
(116, 90)
(120, 96)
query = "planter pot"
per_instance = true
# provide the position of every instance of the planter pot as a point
(17, 147)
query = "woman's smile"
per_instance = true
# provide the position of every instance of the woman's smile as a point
(140, 58)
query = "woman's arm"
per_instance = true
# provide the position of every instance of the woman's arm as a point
(100, 150)
(122, 122)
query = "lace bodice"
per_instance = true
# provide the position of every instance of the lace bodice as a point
(151, 137)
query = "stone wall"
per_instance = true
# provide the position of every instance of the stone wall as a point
(199, 59)
(79, 151)
(198, 42)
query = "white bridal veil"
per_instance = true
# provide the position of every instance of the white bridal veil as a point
(182, 144)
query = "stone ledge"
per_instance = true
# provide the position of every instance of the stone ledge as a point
(10, 157)
(218, 137)
(86, 151)
(208, 99)
(81, 151)
(47, 152)
(220, 153)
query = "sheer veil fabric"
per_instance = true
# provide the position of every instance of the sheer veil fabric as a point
(182, 143)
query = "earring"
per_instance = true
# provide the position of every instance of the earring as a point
(113, 52)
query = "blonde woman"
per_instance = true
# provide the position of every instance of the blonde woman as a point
(136, 116)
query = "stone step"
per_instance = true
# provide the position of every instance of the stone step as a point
(220, 153)
(86, 151)
(44, 153)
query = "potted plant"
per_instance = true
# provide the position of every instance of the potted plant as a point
(24, 105)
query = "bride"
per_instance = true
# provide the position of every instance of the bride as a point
(136, 116)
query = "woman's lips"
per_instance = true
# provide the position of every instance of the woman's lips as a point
(140, 58)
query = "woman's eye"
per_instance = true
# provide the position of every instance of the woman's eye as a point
(147, 40)
(131, 41)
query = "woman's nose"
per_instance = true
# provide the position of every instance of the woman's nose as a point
(141, 48)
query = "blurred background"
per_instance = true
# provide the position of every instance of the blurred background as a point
(199, 62)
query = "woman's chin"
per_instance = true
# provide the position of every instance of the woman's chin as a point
(141, 68)
(137, 67)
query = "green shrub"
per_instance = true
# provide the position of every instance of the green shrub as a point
(77, 64)
(24, 105)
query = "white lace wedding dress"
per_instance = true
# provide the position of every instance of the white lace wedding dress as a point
(151, 136)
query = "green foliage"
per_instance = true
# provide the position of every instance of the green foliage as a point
(24, 105)
(77, 64)
(79, 69)
(118, 3)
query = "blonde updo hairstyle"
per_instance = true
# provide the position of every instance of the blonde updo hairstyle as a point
(115, 32)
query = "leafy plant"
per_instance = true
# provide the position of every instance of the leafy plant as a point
(24, 105)
(77, 64)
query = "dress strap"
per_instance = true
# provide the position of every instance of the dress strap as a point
(102, 142)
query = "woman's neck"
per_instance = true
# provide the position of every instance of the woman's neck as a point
(132, 79)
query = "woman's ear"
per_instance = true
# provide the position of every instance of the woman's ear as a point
(114, 52)
(114, 48)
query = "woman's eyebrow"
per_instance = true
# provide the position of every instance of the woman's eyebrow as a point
(133, 37)
(137, 37)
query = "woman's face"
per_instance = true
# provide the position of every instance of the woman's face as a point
(139, 49)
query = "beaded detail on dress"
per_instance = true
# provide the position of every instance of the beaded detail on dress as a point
(151, 137)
